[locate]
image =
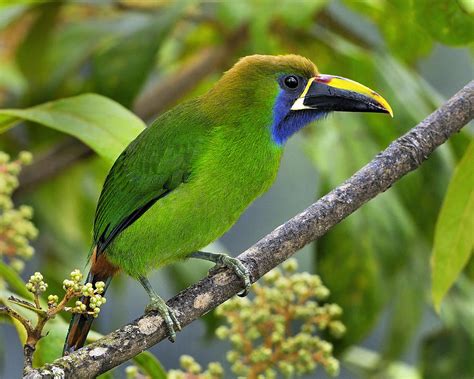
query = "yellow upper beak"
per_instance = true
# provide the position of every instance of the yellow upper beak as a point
(334, 93)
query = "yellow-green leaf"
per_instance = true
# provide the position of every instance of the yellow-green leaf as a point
(454, 234)
(150, 365)
(14, 280)
(447, 21)
(101, 123)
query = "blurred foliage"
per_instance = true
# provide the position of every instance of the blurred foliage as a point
(16, 228)
(106, 132)
(278, 332)
(148, 55)
(454, 238)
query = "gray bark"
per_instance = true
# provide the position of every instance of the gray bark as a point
(402, 156)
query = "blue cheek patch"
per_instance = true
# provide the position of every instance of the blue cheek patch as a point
(287, 122)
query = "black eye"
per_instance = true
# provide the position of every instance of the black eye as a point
(291, 81)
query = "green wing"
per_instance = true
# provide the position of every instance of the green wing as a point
(152, 166)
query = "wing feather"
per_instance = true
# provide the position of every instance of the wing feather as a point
(157, 162)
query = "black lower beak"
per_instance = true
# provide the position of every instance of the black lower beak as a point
(332, 93)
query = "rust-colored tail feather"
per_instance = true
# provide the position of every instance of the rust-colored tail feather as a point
(81, 324)
(101, 270)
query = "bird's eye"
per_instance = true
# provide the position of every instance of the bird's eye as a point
(291, 81)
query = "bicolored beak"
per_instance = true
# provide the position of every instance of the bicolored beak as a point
(333, 93)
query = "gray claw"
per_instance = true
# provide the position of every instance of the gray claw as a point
(158, 305)
(239, 269)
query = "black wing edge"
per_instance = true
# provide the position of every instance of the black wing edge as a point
(105, 240)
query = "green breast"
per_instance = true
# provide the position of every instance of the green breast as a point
(237, 165)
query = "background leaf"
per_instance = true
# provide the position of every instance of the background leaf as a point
(436, 364)
(107, 132)
(120, 68)
(150, 365)
(14, 281)
(454, 237)
(447, 21)
(31, 56)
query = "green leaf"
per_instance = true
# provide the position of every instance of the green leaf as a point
(467, 6)
(10, 3)
(55, 201)
(365, 362)
(406, 308)
(454, 237)
(14, 280)
(50, 347)
(447, 21)
(150, 365)
(107, 375)
(299, 17)
(10, 13)
(121, 68)
(11, 80)
(31, 55)
(358, 285)
(398, 24)
(447, 353)
(457, 311)
(70, 48)
(99, 122)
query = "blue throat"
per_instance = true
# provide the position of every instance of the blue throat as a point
(287, 122)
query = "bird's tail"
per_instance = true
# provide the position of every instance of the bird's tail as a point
(81, 323)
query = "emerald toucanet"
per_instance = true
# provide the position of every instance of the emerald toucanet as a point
(186, 179)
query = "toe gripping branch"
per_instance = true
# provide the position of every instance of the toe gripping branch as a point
(223, 260)
(157, 304)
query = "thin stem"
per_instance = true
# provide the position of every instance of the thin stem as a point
(14, 314)
(27, 305)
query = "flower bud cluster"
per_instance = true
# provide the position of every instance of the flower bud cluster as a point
(36, 285)
(276, 332)
(53, 301)
(95, 299)
(189, 369)
(74, 283)
(192, 369)
(16, 228)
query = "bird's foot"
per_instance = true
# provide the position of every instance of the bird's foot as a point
(223, 260)
(157, 304)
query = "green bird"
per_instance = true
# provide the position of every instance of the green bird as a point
(186, 179)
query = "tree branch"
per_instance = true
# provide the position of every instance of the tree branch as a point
(402, 156)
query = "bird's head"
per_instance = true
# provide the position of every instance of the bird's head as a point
(287, 92)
